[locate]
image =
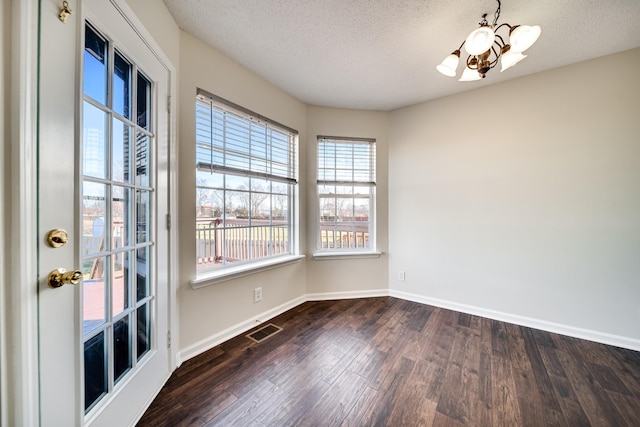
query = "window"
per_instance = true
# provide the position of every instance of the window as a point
(246, 181)
(346, 194)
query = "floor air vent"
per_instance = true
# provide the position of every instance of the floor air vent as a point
(263, 333)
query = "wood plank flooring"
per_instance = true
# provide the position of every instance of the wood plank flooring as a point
(390, 362)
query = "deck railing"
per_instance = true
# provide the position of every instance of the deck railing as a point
(238, 240)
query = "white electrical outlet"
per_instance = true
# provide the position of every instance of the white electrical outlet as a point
(400, 276)
(257, 294)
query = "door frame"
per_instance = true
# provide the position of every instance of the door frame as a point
(21, 404)
(19, 386)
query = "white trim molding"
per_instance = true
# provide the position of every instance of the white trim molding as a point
(235, 330)
(320, 256)
(325, 296)
(22, 301)
(135, 23)
(239, 328)
(244, 269)
(572, 331)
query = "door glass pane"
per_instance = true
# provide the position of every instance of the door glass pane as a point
(95, 378)
(142, 273)
(93, 217)
(142, 216)
(144, 101)
(94, 149)
(95, 66)
(120, 151)
(121, 348)
(93, 293)
(143, 331)
(120, 290)
(142, 159)
(120, 201)
(121, 86)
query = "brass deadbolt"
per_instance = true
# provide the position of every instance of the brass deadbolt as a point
(57, 238)
(60, 276)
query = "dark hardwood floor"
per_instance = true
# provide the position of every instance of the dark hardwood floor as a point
(390, 362)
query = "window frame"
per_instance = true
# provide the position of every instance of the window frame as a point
(370, 251)
(285, 175)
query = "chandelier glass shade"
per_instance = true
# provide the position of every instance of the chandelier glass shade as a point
(522, 37)
(485, 48)
(479, 40)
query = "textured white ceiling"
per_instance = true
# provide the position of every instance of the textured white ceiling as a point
(381, 54)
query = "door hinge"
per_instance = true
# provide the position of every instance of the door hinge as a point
(168, 339)
(169, 103)
(168, 221)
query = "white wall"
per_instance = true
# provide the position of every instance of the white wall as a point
(347, 275)
(523, 199)
(207, 312)
(527, 209)
(158, 21)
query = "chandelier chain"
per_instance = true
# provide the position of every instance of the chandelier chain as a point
(497, 14)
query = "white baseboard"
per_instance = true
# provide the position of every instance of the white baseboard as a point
(235, 330)
(572, 331)
(347, 295)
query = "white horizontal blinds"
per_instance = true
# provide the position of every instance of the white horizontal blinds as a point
(346, 161)
(234, 141)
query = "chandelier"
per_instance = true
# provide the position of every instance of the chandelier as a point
(486, 48)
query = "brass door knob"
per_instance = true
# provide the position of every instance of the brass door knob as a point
(60, 276)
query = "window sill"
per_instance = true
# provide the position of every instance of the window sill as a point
(235, 272)
(321, 256)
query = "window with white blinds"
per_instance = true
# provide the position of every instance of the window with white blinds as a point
(246, 177)
(346, 193)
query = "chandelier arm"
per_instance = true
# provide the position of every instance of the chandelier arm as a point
(500, 26)
(495, 61)
(501, 40)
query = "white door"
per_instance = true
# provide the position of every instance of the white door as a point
(102, 177)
